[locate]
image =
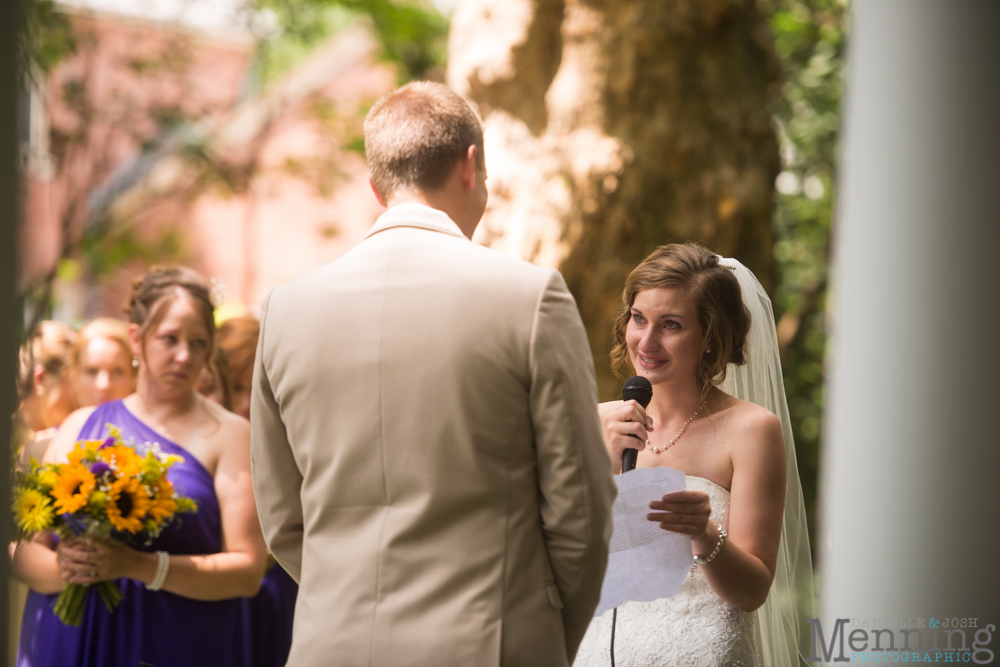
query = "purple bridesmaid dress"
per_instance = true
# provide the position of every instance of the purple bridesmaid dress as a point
(271, 613)
(153, 627)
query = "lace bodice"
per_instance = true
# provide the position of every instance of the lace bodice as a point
(694, 628)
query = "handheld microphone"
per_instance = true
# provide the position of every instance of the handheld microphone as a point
(638, 389)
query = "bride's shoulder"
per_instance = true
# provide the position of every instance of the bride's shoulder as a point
(753, 426)
(754, 416)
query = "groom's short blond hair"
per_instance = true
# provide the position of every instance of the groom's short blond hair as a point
(416, 134)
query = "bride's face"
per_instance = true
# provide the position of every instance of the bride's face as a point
(664, 339)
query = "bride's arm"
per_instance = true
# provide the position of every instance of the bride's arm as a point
(235, 572)
(742, 572)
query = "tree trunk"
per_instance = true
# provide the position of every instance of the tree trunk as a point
(615, 126)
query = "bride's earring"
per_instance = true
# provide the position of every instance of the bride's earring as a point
(135, 361)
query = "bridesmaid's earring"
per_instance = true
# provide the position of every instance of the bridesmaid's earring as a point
(135, 362)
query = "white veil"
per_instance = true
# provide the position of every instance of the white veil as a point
(781, 620)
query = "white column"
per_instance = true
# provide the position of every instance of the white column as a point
(910, 487)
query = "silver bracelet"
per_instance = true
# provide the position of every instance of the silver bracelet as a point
(715, 552)
(162, 568)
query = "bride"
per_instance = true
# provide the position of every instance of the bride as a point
(700, 329)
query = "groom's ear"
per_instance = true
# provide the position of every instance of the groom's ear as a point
(378, 195)
(468, 167)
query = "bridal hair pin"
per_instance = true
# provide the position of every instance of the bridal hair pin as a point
(220, 291)
(660, 450)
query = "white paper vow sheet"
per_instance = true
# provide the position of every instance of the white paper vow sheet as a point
(645, 562)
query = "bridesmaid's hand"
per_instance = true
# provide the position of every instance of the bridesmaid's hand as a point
(684, 512)
(622, 420)
(90, 561)
(75, 559)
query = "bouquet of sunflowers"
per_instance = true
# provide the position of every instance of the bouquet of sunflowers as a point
(105, 490)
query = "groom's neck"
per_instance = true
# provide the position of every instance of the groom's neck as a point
(453, 209)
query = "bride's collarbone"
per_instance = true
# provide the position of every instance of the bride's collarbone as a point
(708, 458)
(720, 475)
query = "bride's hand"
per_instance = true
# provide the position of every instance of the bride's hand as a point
(684, 512)
(622, 420)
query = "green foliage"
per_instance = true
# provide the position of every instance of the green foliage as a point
(47, 37)
(810, 40)
(106, 247)
(412, 33)
(305, 24)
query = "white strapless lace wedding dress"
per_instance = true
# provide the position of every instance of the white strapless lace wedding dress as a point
(694, 628)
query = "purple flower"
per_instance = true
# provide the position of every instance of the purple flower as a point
(76, 524)
(99, 468)
(107, 443)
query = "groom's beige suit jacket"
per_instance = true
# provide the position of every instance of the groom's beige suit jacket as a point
(427, 455)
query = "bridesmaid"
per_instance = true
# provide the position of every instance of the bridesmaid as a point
(213, 560)
(272, 610)
(102, 362)
(45, 387)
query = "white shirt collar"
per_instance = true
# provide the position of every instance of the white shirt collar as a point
(416, 215)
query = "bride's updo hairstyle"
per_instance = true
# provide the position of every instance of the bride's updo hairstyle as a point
(152, 294)
(724, 319)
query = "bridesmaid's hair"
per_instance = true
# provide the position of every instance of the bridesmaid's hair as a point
(238, 340)
(153, 292)
(724, 320)
(50, 346)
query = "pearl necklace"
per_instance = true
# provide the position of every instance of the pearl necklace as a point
(660, 450)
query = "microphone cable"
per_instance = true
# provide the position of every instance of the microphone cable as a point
(638, 389)
(614, 619)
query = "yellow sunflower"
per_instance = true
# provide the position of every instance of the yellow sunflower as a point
(127, 504)
(163, 504)
(33, 510)
(49, 476)
(124, 458)
(72, 488)
(84, 449)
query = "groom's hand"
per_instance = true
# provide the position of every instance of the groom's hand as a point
(622, 420)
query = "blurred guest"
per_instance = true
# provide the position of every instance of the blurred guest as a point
(102, 362)
(184, 595)
(45, 386)
(46, 397)
(101, 370)
(238, 339)
(215, 382)
(271, 612)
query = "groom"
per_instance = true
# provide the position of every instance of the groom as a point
(427, 456)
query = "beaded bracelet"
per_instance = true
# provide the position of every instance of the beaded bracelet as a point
(162, 568)
(722, 538)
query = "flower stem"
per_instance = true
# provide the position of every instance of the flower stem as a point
(68, 606)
